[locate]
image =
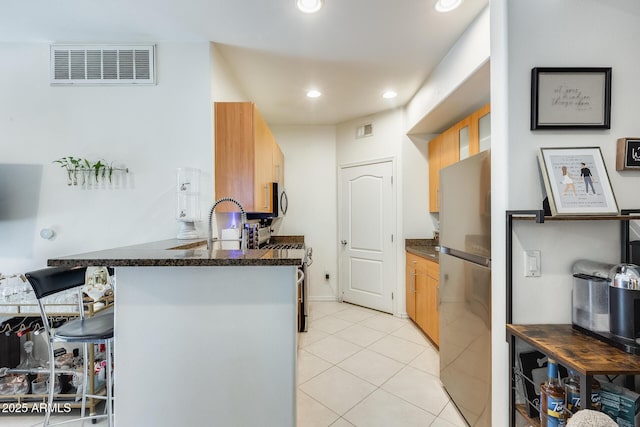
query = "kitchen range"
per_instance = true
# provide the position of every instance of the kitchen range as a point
(260, 237)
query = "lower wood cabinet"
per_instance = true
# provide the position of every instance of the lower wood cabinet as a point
(422, 294)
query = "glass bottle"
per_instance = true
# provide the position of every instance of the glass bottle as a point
(572, 390)
(552, 397)
(29, 361)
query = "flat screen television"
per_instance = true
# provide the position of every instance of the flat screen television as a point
(19, 200)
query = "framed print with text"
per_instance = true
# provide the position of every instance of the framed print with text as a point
(576, 181)
(570, 98)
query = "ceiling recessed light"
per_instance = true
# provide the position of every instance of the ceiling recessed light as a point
(447, 5)
(313, 93)
(309, 6)
(389, 94)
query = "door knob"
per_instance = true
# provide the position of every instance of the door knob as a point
(344, 242)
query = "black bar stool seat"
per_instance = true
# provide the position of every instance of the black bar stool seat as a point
(89, 329)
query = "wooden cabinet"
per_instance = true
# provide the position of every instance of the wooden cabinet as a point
(422, 295)
(432, 293)
(480, 130)
(410, 287)
(278, 165)
(247, 157)
(464, 139)
(461, 135)
(442, 151)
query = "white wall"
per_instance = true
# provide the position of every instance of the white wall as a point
(152, 130)
(499, 178)
(310, 181)
(468, 54)
(547, 33)
(386, 142)
(224, 84)
(417, 222)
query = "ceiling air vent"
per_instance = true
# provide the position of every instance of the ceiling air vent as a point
(364, 130)
(102, 64)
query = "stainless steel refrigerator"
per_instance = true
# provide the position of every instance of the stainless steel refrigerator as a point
(465, 286)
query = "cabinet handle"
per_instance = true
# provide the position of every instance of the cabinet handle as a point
(412, 286)
(438, 199)
(438, 298)
(266, 196)
(278, 174)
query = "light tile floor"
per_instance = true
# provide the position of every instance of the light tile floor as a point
(356, 367)
(359, 367)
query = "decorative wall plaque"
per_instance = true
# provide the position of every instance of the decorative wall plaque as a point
(628, 154)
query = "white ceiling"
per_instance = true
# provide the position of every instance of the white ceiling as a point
(352, 50)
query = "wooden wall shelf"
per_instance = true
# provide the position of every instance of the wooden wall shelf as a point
(575, 350)
(539, 216)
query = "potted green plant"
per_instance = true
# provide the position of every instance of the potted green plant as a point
(78, 166)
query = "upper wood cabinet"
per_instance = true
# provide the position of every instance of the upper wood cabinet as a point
(278, 165)
(480, 130)
(461, 134)
(464, 139)
(442, 151)
(247, 157)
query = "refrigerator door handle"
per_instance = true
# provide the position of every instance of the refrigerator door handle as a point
(476, 259)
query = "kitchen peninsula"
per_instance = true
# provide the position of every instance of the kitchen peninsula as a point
(202, 337)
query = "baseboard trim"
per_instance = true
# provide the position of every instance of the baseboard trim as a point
(324, 299)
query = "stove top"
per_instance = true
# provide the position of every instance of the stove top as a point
(284, 246)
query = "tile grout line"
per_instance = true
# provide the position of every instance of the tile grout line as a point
(426, 345)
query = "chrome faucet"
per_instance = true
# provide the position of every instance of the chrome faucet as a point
(243, 221)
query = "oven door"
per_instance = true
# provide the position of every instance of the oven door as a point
(302, 298)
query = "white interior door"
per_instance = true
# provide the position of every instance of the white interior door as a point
(367, 227)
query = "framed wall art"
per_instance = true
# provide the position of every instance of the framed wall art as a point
(576, 181)
(570, 98)
(628, 154)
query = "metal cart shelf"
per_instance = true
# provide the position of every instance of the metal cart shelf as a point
(553, 340)
(22, 307)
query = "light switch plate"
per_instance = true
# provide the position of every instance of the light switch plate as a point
(532, 263)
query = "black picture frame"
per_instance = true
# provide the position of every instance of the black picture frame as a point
(570, 98)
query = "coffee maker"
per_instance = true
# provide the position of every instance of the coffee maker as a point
(606, 303)
(624, 302)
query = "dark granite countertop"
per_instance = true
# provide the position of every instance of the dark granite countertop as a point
(286, 239)
(179, 253)
(425, 248)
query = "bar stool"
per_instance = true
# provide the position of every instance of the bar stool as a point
(92, 330)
